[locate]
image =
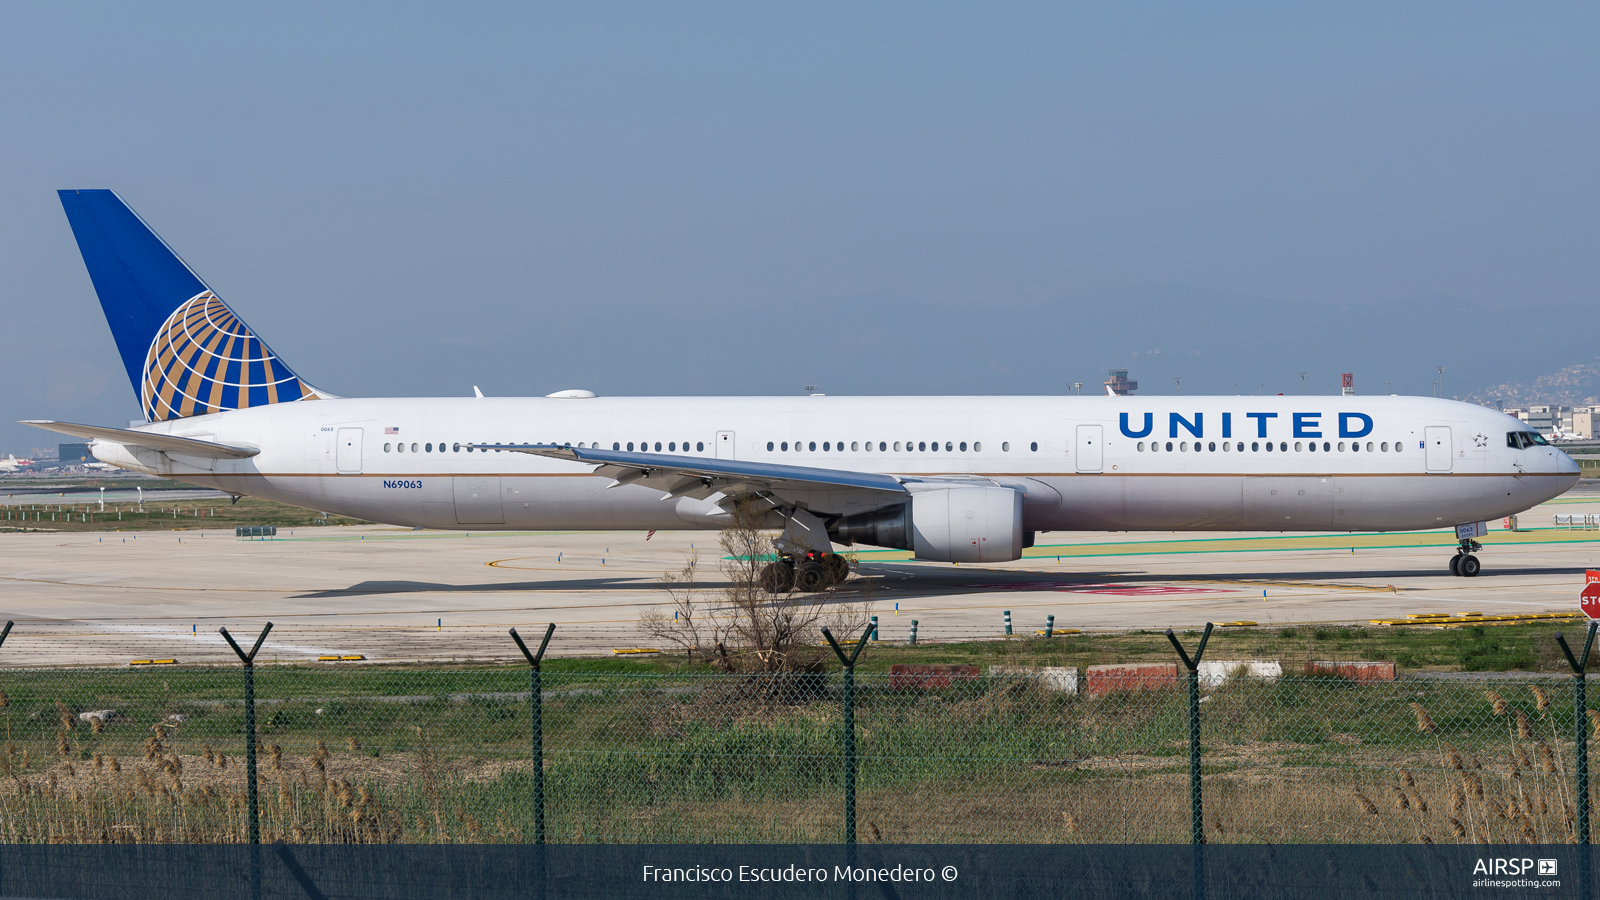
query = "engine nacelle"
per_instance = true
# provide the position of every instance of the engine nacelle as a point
(958, 524)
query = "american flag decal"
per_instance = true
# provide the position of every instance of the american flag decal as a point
(391, 430)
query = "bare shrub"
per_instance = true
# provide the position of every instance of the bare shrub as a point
(739, 626)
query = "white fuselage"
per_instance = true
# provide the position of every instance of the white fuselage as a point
(1084, 463)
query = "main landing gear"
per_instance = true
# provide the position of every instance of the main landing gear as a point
(808, 574)
(1464, 563)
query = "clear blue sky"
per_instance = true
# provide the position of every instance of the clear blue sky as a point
(389, 193)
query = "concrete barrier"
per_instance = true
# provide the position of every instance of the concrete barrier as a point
(1214, 672)
(1052, 678)
(1099, 681)
(1355, 671)
(908, 676)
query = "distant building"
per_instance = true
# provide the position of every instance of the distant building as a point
(1545, 419)
(73, 454)
(1119, 383)
(1584, 419)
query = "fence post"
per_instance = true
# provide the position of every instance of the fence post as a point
(1197, 834)
(6, 632)
(1580, 717)
(536, 704)
(849, 728)
(249, 660)
(1197, 826)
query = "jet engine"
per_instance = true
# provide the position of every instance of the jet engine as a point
(957, 524)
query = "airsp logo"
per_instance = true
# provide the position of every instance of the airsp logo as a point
(1500, 866)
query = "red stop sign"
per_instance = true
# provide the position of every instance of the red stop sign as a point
(1589, 600)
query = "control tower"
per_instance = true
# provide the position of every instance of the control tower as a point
(1119, 384)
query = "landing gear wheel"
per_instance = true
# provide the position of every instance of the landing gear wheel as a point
(836, 566)
(777, 578)
(1469, 566)
(1455, 564)
(810, 577)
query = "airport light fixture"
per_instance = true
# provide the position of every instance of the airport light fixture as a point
(1302, 384)
(1179, 382)
(1441, 380)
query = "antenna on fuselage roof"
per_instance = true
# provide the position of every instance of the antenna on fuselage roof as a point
(477, 393)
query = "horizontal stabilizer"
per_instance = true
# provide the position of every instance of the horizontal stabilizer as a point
(166, 443)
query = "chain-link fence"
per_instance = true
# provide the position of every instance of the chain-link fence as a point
(939, 754)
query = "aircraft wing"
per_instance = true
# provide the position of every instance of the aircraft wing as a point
(165, 443)
(700, 477)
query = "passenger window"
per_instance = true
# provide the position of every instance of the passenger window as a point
(1005, 446)
(699, 446)
(853, 446)
(1212, 447)
(1183, 447)
(1297, 446)
(769, 446)
(1384, 446)
(963, 446)
(1034, 446)
(413, 448)
(672, 447)
(977, 447)
(658, 446)
(1226, 446)
(630, 446)
(784, 446)
(1313, 447)
(838, 446)
(386, 448)
(897, 446)
(1269, 446)
(428, 447)
(1326, 446)
(399, 448)
(1341, 446)
(824, 446)
(1369, 446)
(1169, 446)
(948, 448)
(813, 446)
(1283, 446)
(1141, 446)
(883, 446)
(455, 448)
(922, 446)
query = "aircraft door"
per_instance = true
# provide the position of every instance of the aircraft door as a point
(725, 448)
(478, 500)
(1437, 439)
(348, 454)
(1091, 450)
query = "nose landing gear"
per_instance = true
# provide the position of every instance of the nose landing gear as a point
(1464, 563)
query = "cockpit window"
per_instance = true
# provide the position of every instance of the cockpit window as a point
(1536, 438)
(1520, 439)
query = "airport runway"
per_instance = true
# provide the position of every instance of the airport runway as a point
(388, 593)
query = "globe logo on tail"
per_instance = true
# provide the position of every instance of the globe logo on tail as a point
(205, 359)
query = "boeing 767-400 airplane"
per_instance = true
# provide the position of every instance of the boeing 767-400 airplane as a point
(952, 479)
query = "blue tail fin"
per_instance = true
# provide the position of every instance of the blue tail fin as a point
(186, 352)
